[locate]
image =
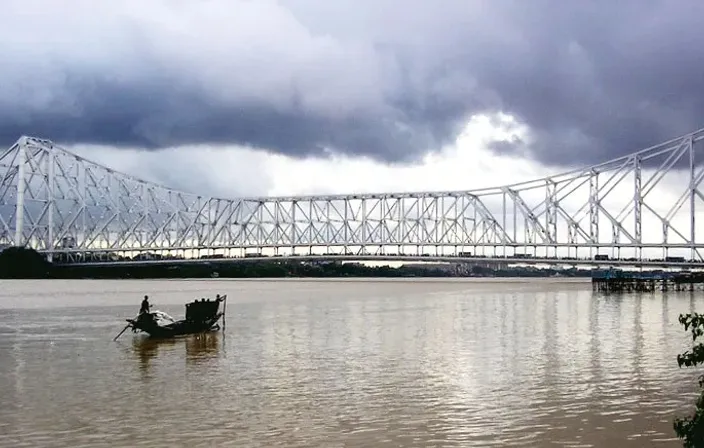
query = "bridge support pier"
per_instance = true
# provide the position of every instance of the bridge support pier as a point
(19, 210)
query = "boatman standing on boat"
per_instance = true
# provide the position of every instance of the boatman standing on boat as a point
(145, 305)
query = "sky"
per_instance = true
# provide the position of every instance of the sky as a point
(244, 97)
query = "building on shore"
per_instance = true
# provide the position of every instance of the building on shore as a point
(456, 268)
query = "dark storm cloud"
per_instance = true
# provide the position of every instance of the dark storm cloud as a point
(605, 79)
(153, 115)
(591, 80)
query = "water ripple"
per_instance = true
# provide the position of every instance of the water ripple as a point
(457, 364)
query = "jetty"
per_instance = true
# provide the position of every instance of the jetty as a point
(616, 280)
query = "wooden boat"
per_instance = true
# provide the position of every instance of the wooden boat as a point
(201, 316)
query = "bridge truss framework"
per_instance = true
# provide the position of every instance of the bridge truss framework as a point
(640, 206)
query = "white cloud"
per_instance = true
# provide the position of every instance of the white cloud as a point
(231, 172)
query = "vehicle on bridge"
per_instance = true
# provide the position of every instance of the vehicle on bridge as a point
(201, 316)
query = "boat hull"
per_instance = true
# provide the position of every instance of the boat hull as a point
(178, 328)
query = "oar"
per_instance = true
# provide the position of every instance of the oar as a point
(123, 330)
(224, 311)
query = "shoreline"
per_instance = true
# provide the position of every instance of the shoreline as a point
(474, 280)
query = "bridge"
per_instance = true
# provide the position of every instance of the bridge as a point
(640, 209)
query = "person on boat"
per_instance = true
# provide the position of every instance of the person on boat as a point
(145, 306)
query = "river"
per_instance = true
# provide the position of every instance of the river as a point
(345, 363)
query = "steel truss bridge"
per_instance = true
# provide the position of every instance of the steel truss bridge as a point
(640, 208)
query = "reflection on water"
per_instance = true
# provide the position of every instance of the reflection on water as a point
(193, 348)
(327, 364)
(202, 347)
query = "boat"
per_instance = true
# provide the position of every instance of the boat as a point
(201, 316)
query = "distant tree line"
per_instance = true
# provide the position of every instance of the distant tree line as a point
(19, 262)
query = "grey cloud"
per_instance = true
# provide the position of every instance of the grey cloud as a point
(591, 80)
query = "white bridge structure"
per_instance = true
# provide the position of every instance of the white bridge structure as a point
(638, 209)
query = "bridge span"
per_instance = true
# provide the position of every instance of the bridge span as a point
(497, 261)
(640, 207)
